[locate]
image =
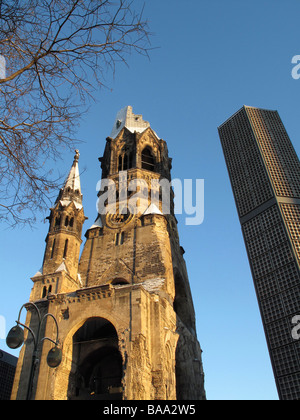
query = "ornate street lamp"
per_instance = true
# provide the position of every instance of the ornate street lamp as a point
(15, 339)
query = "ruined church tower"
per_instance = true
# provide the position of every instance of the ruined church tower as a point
(124, 311)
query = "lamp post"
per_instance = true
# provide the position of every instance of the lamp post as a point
(15, 339)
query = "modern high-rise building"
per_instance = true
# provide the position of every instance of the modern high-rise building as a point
(124, 312)
(8, 365)
(265, 176)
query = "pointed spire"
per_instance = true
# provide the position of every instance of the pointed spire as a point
(73, 180)
(72, 187)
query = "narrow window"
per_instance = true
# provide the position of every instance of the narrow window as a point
(52, 251)
(44, 292)
(67, 222)
(66, 248)
(119, 238)
(125, 165)
(130, 164)
(71, 224)
(120, 163)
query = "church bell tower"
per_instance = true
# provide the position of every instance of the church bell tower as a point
(125, 314)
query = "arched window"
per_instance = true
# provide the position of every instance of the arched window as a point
(46, 291)
(125, 161)
(148, 161)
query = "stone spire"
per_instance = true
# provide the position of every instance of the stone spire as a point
(64, 237)
(73, 180)
(72, 188)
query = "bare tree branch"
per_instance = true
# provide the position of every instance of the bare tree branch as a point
(57, 54)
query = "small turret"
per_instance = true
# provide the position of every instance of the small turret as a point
(60, 267)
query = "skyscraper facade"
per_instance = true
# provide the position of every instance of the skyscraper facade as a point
(264, 171)
(7, 372)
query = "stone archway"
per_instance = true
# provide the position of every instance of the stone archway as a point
(97, 371)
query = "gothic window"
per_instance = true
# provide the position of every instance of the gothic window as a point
(46, 291)
(66, 248)
(67, 222)
(57, 221)
(125, 161)
(71, 224)
(148, 161)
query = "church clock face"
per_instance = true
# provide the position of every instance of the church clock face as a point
(119, 218)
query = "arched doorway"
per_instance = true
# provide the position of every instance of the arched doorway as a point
(97, 369)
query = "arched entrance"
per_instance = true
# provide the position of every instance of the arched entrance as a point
(97, 370)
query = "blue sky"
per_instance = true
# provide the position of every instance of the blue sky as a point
(213, 57)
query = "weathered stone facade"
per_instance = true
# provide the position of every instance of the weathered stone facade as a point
(125, 314)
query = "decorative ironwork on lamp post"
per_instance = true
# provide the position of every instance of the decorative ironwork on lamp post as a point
(15, 339)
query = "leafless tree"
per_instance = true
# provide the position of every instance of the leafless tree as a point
(57, 53)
